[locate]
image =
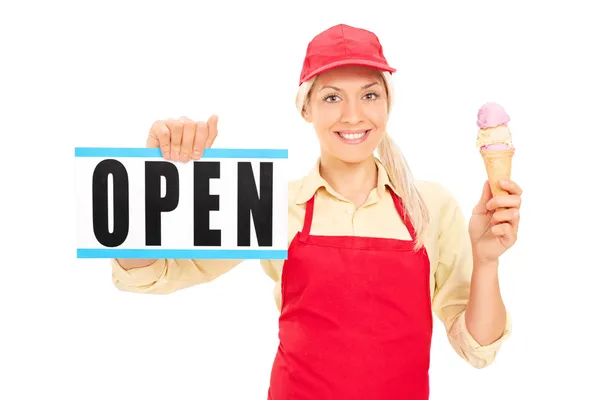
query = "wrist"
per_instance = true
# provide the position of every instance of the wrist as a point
(479, 263)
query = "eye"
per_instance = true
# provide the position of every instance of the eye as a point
(330, 98)
(373, 96)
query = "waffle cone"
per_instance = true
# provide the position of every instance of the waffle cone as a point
(498, 164)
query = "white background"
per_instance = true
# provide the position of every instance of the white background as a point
(83, 74)
(177, 226)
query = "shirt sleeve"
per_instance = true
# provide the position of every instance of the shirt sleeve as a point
(169, 275)
(452, 285)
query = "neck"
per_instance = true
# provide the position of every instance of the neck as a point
(353, 181)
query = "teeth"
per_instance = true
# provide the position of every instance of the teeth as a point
(352, 136)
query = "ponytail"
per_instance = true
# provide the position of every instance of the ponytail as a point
(402, 180)
(393, 161)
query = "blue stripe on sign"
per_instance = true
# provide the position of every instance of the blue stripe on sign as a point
(210, 254)
(154, 152)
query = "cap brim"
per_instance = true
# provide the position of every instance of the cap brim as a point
(364, 63)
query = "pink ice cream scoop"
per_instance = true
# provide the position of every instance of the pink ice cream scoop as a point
(491, 115)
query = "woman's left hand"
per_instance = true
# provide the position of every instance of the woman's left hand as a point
(494, 231)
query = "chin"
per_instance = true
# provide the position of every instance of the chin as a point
(355, 155)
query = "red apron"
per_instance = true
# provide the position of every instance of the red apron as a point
(356, 319)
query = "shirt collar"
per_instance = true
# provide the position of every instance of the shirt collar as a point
(314, 181)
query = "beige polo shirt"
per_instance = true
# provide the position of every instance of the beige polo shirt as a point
(447, 243)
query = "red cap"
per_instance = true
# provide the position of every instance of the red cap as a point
(343, 45)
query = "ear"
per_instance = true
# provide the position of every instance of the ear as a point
(306, 115)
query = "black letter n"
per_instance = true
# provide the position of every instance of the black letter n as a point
(250, 202)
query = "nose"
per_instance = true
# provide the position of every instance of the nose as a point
(352, 112)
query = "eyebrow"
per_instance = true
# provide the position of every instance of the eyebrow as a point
(362, 88)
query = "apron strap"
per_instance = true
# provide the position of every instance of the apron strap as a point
(308, 216)
(310, 205)
(400, 208)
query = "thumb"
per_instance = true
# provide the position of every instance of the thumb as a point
(486, 195)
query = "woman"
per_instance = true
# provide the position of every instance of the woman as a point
(371, 251)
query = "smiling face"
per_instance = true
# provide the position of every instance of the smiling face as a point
(348, 108)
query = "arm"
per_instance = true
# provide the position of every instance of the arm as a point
(460, 286)
(493, 229)
(165, 276)
(485, 316)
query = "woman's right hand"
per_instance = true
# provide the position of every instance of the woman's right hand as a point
(179, 140)
(182, 139)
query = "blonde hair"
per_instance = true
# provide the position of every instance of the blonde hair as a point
(394, 162)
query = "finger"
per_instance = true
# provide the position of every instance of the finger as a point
(505, 201)
(506, 232)
(200, 140)
(486, 195)
(152, 140)
(511, 187)
(187, 141)
(160, 136)
(212, 130)
(510, 215)
(502, 230)
(515, 223)
(176, 128)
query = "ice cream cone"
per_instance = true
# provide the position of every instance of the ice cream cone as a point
(498, 164)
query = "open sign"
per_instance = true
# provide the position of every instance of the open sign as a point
(230, 204)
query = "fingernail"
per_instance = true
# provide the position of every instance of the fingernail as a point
(184, 157)
(176, 155)
(196, 154)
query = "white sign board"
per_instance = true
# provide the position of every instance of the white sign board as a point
(230, 204)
